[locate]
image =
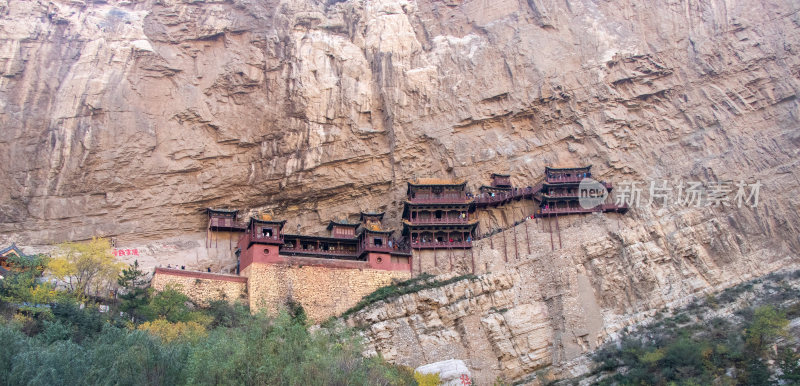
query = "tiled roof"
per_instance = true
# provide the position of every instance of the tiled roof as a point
(436, 181)
(14, 248)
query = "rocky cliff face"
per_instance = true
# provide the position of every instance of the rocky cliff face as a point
(127, 118)
(538, 315)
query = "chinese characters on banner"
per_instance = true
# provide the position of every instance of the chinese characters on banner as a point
(692, 193)
(126, 252)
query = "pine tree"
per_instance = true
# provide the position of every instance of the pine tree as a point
(135, 294)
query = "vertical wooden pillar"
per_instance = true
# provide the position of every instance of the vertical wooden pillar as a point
(550, 227)
(450, 258)
(527, 237)
(559, 233)
(516, 250)
(472, 257)
(505, 250)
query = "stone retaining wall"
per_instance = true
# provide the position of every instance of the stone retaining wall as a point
(324, 291)
(202, 287)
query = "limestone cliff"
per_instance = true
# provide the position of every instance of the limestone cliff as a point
(126, 118)
(537, 316)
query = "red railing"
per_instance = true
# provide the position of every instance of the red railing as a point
(221, 222)
(570, 210)
(395, 248)
(516, 193)
(324, 252)
(265, 239)
(568, 195)
(575, 195)
(560, 180)
(598, 208)
(443, 220)
(442, 244)
(439, 199)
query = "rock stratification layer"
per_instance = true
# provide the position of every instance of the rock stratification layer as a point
(127, 118)
(537, 316)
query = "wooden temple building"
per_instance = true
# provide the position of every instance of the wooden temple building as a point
(501, 192)
(265, 241)
(331, 272)
(560, 193)
(436, 214)
(5, 253)
(501, 184)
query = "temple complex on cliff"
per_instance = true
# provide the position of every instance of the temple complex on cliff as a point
(561, 193)
(329, 273)
(436, 214)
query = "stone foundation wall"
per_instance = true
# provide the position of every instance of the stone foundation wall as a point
(323, 291)
(202, 287)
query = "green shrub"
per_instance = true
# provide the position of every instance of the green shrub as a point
(419, 283)
(427, 379)
(12, 342)
(226, 314)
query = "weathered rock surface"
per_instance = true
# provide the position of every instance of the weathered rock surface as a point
(127, 118)
(452, 372)
(536, 316)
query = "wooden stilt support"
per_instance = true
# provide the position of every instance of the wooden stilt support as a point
(491, 242)
(558, 229)
(505, 250)
(516, 247)
(527, 237)
(450, 255)
(472, 257)
(550, 226)
(208, 233)
(435, 259)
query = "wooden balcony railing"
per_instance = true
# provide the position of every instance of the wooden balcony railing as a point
(561, 180)
(579, 209)
(319, 252)
(277, 239)
(439, 199)
(442, 220)
(395, 248)
(221, 222)
(514, 194)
